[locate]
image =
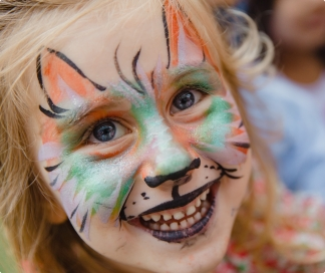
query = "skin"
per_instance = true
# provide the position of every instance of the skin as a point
(86, 85)
(298, 30)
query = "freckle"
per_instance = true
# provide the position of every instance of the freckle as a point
(206, 177)
(206, 166)
(134, 203)
(146, 198)
(212, 167)
(143, 194)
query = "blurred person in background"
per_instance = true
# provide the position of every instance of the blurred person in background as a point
(295, 98)
(289, 107)
(297, 28)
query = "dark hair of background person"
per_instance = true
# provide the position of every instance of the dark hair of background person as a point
(261, 12)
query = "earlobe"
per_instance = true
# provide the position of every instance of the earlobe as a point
(55, 213)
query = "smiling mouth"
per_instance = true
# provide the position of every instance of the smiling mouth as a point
(176, 225)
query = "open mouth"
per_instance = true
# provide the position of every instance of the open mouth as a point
(182, 222)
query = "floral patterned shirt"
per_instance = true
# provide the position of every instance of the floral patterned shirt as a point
(302, 226)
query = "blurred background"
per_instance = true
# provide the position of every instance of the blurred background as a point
(7, 264)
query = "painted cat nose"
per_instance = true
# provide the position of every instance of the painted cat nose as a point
(179, 177)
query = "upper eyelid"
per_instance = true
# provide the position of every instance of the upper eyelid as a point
(78, 115)
(88, 132)
(206, 85)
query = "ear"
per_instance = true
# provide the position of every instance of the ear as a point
(55, 213)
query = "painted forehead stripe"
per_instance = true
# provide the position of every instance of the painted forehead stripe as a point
(140, 88)
(166, 32)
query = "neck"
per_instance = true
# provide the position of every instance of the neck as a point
(300, 67)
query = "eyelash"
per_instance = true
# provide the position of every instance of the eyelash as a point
(85, 136)
(205, 89)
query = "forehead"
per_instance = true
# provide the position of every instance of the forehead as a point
(91, 43)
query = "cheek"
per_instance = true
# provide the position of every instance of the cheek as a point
(90, 188)
(220, 135)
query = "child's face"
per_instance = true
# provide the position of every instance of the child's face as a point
(142, 142)
(298, 24)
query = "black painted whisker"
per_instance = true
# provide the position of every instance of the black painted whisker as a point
(54, 108)
(52, 184)
(241, 144)
(49, 113)
(83, 223)
(52, 168)
(74, 211)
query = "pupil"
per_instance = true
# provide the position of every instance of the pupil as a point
(184, 100)
(105, 131)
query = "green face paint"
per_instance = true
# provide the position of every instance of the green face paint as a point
(95, 178)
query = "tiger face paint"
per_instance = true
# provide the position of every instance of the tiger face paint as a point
(142, 142)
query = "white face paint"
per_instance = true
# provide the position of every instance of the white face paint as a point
(143, 144)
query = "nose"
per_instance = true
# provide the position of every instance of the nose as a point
(179, 177)
(171, 158)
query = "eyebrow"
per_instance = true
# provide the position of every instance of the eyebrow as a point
(74, 116)
(185, 70)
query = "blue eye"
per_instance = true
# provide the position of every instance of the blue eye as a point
(185, 100)
(104, 131)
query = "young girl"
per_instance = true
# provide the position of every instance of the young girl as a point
(123, 145)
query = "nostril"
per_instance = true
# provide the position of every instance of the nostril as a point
(183, 180)
(154, 182)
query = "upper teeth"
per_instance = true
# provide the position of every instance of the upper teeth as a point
(196, 210)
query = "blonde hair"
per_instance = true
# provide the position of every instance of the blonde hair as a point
(25, 27)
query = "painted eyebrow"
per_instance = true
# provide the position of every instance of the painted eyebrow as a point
(183, 71)
(76, 115)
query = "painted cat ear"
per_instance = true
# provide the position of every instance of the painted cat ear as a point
(61, 79)
(184, 45)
